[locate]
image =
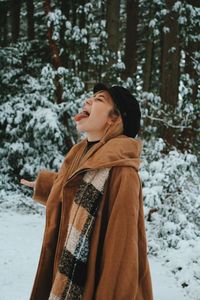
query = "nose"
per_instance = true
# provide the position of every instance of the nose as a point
(88, 101)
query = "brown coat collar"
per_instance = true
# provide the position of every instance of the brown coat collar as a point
(113, 149)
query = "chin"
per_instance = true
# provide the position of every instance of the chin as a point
(80, 128)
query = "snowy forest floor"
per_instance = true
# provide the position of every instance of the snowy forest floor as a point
(21, 240)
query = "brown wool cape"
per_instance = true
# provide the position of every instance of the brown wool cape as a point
(118, 267)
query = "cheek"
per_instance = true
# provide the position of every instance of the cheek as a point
(99, 111)
(99, 118)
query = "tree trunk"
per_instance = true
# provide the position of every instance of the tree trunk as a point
(74, 14)
(170, 57)
(170, 73)
(15, 19)
(195, 3)
(74, 6)
(131, 39)
(189, 67)
(112, 27)
(147, 68)
(30, 19)
(54, 53)
(189, 134)
(3, 23)
(100, 70)
(83, 46)
(56, 61)
(65, 7)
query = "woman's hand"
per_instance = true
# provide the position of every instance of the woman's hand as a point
(30, 184)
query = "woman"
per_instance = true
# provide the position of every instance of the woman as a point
(94, 244)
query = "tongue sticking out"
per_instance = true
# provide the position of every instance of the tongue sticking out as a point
(80, 116)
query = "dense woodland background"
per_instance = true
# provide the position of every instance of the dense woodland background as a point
(51, 55)
(53, 52)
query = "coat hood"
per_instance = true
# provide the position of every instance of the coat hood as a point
(113, 149)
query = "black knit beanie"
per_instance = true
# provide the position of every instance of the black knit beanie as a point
(127, 105)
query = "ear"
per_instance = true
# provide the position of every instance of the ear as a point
(112, 120)
(112, 117)
(110, 123)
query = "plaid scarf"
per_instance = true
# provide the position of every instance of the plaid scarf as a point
(72, 269)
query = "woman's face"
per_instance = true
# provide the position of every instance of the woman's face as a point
(99, 107)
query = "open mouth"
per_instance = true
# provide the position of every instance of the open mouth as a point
(86, 113)
(81, 115)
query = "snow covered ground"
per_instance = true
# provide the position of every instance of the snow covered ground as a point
(21, 240)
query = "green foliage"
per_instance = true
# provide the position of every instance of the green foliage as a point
(34, 129)
(32, 125)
